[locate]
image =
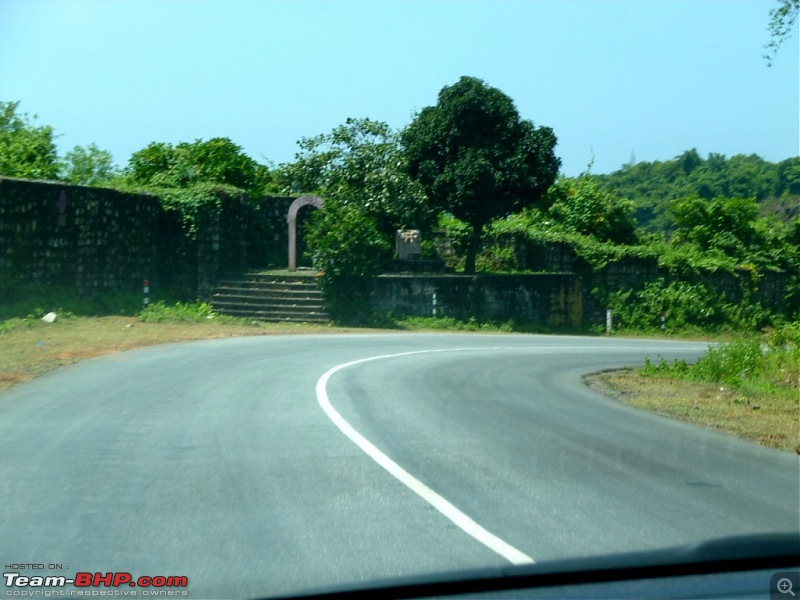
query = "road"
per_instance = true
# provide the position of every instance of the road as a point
(223, 461)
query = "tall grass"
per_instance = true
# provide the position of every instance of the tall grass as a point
(753, 367)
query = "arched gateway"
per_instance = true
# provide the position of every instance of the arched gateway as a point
(291, 218)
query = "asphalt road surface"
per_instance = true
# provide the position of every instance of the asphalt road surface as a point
(270, 465)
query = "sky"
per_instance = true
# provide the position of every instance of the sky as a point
(619, 81)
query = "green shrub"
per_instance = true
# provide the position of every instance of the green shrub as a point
(453, 324)
(678, 369)
(348, 249)
(746, 365)
(13, 324)
(159, 312)
(684, 305)
(732, 364)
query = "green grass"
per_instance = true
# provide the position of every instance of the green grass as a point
(749, 387)
(186, 312)
(453, 324)
(753, 367)
(33, 300)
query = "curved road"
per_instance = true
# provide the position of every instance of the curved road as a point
(270, 465)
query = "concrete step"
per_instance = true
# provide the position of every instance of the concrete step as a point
(279, 316)
(261, 279)
(279, 304)
(240, 289)
(267, 293)
(310, 281)
(271, 298)
(230, 301)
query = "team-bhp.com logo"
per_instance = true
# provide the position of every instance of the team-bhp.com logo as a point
(94, 584)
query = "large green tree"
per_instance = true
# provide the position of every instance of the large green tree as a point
(476, 158)
(25, 149)
(217, 160)
(360, 164)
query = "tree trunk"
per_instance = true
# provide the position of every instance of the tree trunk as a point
(472, 249)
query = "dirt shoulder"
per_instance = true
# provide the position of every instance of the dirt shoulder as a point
(32, 349)
(769, 421)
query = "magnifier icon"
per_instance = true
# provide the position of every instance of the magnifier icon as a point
(785, 586)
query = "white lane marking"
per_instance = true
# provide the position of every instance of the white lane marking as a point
(484, 536)
(459, 518)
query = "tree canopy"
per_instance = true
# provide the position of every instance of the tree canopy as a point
(88, 166)
(582, 207)
(360, 164)
(726, 224)
(652, 185)
(25, 149)
(217, 160)
(782, 20)
(476, 158)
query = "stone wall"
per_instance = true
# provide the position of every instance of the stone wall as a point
(268, 232)
(243, 234)
(553, 257)
(96, 239)
(767, 288)
(550, 299)
(89, 238)
(247, 233)
(554, 300)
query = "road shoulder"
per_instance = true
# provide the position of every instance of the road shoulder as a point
(768, 423)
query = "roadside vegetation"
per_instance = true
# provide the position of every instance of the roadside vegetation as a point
(719, 237)
(749, 387)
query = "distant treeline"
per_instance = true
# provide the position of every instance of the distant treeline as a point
(651, 185)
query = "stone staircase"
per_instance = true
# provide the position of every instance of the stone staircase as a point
(276, 298)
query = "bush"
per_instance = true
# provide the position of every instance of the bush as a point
(159, 312)
(747, 365)
(453, 324)
(348, 250)
(685, 305)
(732, 364)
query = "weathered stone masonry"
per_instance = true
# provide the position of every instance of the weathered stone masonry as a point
(96, 239)
(554, 300)
(92, 239)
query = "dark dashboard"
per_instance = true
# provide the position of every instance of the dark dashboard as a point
(754, 566)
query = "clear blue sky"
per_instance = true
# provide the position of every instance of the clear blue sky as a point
(615, 79)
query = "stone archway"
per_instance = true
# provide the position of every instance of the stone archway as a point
(291, 218)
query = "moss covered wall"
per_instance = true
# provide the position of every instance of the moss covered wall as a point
(554, 300)
(89, 238)
(95, 239)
